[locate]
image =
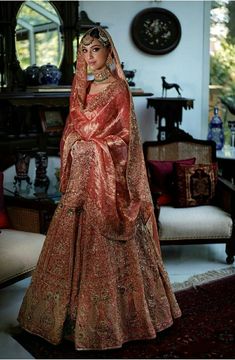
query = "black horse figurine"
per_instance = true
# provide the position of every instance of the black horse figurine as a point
(167, 86)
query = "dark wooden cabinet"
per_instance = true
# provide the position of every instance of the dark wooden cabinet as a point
(20, 122)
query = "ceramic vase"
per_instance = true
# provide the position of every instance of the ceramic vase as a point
(49, 75)
(216, 131)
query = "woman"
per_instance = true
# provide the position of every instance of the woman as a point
(100, 280)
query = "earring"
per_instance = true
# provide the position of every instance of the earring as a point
(88, 69)
(109, 60)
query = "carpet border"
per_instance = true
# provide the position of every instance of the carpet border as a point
(203, 278)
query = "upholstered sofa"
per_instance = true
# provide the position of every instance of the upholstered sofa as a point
(197, 206)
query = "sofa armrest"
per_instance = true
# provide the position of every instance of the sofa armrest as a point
(225, 195)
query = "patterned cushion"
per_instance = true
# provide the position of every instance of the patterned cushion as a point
(4, 221)
(161, 175)
(195, 184)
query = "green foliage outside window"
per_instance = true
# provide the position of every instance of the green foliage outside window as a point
(222, 59)
(222, 68)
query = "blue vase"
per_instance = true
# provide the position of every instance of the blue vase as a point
(31, 73)
(216, 131)
(49, 75)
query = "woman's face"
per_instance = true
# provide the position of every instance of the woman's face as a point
(95, 55)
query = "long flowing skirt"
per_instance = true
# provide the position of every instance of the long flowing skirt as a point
(98, 292)
(101, 293)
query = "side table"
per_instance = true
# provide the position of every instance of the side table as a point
(226, 162)
(168, 113)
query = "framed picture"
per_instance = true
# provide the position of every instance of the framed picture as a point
(156, 31)
(51, 121)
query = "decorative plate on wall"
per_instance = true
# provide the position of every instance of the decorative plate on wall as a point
(156, 31)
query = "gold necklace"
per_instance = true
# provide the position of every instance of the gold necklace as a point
(101, 75)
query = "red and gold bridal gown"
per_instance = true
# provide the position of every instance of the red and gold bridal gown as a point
(100, 278)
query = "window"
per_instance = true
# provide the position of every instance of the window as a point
(222, 62)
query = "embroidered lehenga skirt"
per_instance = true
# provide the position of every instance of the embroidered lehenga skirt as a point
(98, 292)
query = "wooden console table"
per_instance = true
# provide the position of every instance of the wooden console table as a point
(168, 113)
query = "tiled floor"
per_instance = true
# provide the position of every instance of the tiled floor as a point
(181, 263)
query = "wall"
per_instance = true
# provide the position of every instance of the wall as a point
(187, 64)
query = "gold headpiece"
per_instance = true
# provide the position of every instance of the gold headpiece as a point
(95, 33)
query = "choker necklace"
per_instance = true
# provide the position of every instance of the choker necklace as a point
(101, 75)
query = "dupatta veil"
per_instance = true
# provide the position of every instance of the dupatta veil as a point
(138, 198)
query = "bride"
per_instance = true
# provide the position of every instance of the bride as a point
(100, 280)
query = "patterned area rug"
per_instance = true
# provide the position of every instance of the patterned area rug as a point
(204, 278)
(206, 330)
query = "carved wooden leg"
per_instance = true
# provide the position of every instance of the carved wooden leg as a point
(230, 249)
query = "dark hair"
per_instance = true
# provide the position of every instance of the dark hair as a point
(99, 34)
(95, 33)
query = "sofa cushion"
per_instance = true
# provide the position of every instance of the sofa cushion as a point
(199, 222)
(194, 184)
(161, 175)
(19, 252)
